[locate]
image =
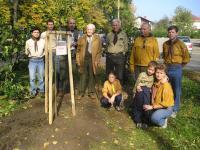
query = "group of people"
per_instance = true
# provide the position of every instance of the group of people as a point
(157, 90)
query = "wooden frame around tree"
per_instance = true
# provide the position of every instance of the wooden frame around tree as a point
(50, 87)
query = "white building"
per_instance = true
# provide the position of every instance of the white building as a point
(140, 20)
(196, 22)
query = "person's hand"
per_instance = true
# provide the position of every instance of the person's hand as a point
(138, 88)
(133, 95)
(78, 63)
(147, 107)
(184, 64)
(112, 99)
(165, 79)
(73, 44)
(96, 63)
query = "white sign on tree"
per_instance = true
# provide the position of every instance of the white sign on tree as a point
(61, 48)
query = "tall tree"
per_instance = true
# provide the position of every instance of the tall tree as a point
(161, 26)
(183, 19)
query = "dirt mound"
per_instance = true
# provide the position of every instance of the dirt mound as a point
(28, 129)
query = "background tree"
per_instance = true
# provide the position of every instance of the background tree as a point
(183, 19)
(160, 28)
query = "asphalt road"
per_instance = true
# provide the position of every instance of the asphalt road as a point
(195, 58)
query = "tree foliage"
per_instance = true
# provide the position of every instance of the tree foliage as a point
(183, 19)
(20, 16)
(161, 27)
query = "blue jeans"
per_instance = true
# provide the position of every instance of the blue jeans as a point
(175, 78)
(158, 116)
(105, 103)
(36, 66)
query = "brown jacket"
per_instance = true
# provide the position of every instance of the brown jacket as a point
(96, 52)
(178, 55)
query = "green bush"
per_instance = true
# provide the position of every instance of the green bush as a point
(8, 86)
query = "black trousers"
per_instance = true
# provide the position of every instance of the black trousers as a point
(116, 63)
(140, 99)
(87, 78)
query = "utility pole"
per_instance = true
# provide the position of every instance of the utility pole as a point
(118, 8)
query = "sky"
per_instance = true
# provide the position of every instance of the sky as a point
(154, 10)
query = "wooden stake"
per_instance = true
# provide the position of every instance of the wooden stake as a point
(71, 75)
(55, 87)
(46, 72)
(50, 82)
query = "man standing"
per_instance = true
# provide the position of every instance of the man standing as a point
(75, 34)
(50, 28)
(88, 57)
(117, 47)
(59, 62)
(35, 50)
(175, 55)
(71, 27)
(145, 49)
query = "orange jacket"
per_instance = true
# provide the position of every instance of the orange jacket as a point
(145, 50)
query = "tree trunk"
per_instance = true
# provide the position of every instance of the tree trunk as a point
(15, 6)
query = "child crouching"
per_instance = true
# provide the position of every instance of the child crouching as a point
(112, 92)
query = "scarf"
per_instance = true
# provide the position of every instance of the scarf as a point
(145, 39)
(171, 43)
(115, 36)
(35, 43)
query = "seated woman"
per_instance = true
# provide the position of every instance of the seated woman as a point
(162, 98)
(112, 92)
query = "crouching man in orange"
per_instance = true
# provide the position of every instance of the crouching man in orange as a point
(162, 98)
(112, 92)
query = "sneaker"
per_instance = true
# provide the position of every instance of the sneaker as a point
(144, 126)
(92, 96)
(139, 125)
(60, 94)
(173, 115)
(118, 108)
(41, 94)
(165, 124)
(122, 105)
(79, 97)
(111, 108)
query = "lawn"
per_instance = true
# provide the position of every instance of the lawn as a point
(182, 132)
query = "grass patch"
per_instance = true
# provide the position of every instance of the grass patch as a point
(7, 106)
(182, 132)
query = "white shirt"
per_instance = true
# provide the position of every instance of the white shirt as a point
(53, 39)
(30, 48)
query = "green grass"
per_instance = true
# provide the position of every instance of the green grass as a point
(7, 106)
(182, 132)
